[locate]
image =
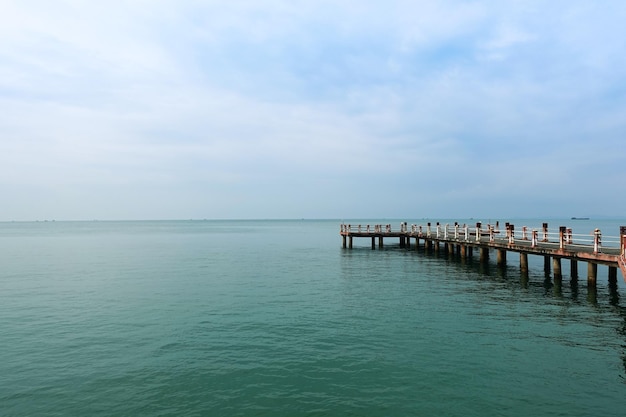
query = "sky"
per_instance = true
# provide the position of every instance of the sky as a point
(241, 109)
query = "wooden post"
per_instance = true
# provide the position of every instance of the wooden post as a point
(373, 243)
(463, 251)
(523, 262)
(546, 264)
(478, 231)
(545, 232)
(592, 273)
(612, 275)
(408, 242)
(345, 243)
(511, 234)
(562, 236)
(380, 242)
(350, 244)
(622, 233)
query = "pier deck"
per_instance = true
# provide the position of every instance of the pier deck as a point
(463, 239)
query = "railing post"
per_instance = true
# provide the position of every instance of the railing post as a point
(597, 244)
(438, 229)
(428, 229)
(456, 231)
(562, 231)
(524, 233)
(478, 232)
(445, 231)
(569, 236)
(492, 236)
(622, 233)
(545, 232)
(511, 234)
(533, 242)
(466, 227)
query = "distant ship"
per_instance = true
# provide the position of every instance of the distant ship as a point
(580, 218)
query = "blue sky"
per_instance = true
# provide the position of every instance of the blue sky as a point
(312, 109)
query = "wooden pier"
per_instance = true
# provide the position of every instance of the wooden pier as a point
(463, 239)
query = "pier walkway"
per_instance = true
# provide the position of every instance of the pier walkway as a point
(463, 239)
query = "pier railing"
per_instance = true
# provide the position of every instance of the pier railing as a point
(535, 237)
(594, 247)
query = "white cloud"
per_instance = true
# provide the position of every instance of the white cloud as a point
(173, 100)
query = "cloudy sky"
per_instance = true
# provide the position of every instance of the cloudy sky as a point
(177, 109)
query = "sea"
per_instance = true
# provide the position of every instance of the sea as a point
(276, 318)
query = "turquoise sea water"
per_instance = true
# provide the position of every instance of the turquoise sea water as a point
(274, 318)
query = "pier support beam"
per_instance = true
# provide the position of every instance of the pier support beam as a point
(612, 275)
(345, 241)
(556, 266)
(574, 269)
(546, 264)
(463, 251)
(501, 258)
(484, 254)
(350, 242)
(373, 243)
(523, 262)
(450, 248)
(592, 274)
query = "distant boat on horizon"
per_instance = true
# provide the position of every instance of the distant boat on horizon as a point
(580, 218)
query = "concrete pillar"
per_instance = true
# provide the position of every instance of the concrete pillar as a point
(484, 254)
(523, 262)
(574, 269)
(501, 257)
(556, 266)
(380, 242)
(562, 236)
(612, 275)
(345, 243)
(350, 244)
(373, 243)
(592, 273)
(546, 264)
(463, 251)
